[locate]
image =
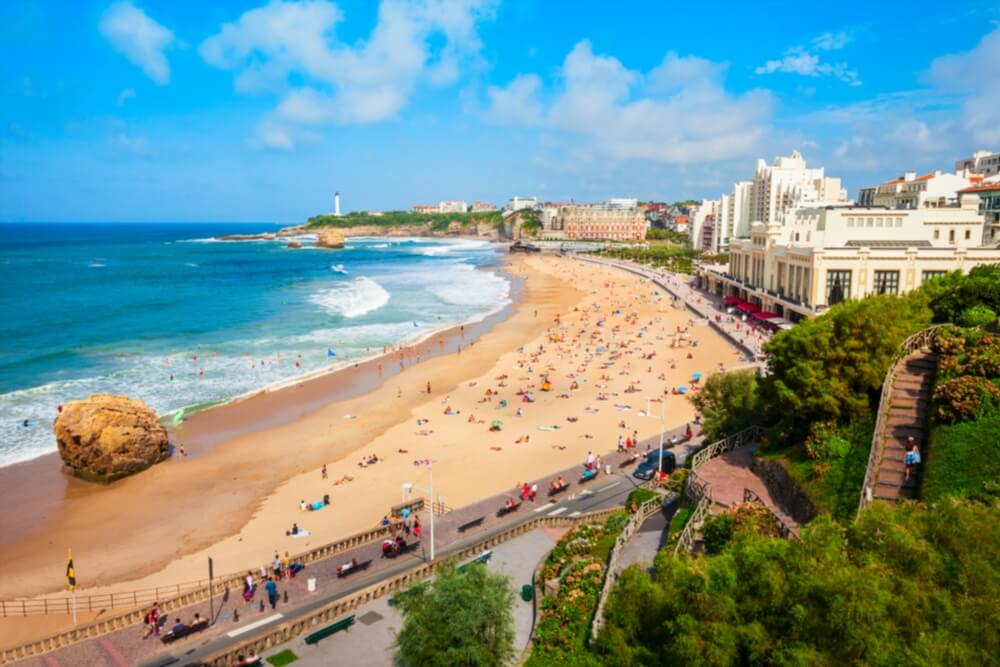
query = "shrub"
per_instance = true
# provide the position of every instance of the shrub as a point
(716, 533)
(638, 496)
(677, 479)
(729, 403)
(977, 316)
(964, 398)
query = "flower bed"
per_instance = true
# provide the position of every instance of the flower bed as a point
(578, 562)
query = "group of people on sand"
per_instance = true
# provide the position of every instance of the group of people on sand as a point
(369, 461)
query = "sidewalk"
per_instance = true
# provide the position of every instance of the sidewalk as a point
(370, 640)
(126, 647)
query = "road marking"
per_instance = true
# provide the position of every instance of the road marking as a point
(577, 513)
(558, 510)
(254, 625)
(585, 493)
(542, 508)
(609, 486)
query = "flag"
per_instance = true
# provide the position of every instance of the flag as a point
(330, 352)
(70, 571)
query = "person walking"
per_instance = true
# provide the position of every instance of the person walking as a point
(152, 621)
(912, 457)
(272, 592)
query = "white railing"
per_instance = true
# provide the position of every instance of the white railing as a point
(685, 542)
(646, 510)
(745, 437)
(917, 341)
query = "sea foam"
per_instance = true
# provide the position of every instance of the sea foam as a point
(352, 299)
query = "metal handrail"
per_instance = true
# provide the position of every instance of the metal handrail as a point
(917, 341)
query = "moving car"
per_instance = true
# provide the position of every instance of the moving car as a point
(649, 465)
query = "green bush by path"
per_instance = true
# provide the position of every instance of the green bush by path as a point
(903, 585)
(961, 458)
(639, 496)
(679, 520)
(729, 403)
(283, 658)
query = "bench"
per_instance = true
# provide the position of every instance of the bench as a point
(410, 546)
(553, 492)
(396, 511)
(344, 570)
(342, 624)
(504, 511)
(471, 524)
(172, 636)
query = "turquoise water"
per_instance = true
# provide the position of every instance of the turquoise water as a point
(164, 313)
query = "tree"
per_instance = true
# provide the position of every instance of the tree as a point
(728, 403)
(952, 294)
(909, 584)
(463, 617)
(830, 367)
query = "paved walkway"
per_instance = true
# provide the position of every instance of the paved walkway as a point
(730, 474)
(370, 640)
(647, 541)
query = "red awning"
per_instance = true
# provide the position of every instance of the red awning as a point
(764, 315)
(748, 308)
(730, 300)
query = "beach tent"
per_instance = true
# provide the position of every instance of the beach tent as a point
(695, 376)
(682, 390)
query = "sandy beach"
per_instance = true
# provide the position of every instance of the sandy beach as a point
(598, 338)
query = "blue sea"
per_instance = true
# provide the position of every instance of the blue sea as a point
(165, 313)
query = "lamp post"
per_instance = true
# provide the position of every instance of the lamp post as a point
(410, 487)
(659, 463)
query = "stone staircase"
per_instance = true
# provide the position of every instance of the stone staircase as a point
(913, 381)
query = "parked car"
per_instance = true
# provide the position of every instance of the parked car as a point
(649, 465)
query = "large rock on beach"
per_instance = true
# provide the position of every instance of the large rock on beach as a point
(329, 238)
(107, 437)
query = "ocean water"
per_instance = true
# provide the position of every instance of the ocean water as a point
(164, 313)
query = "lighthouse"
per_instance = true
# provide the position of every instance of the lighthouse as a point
(336, 204)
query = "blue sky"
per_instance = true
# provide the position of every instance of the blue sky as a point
(135, 111)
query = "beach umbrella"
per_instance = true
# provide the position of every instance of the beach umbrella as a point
(496, 422)
(682, 390)
(695, 376)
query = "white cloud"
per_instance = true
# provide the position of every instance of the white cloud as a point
(517, 103)
(137, 145)
(139, 38)
(124, 96)
(273, 137)
(975, 75)
(368, 81)
(802, 61)
(683, 114)
(832, 41)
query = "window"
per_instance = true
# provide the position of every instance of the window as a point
(951, 236)
(937, 234)
(850, 222)
(838, 286)
(899, 222)
(929, 275)
(869, 222)
(886, 282)
(968, 234)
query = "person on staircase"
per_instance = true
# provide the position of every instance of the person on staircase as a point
(912, 457)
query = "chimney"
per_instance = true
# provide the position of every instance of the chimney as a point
(336, 204)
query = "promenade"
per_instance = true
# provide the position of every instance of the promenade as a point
(126, 646)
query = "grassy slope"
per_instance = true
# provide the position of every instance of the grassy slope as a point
(960, 457)
(437, 221)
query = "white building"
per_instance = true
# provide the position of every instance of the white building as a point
(733, 219)
(452, 206)
(517, 203)
(822, 255)
(933, 190)
(701, 224)
(986, 163)
(788, 183)
(600, 223)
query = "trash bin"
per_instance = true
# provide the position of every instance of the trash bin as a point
(311, 584)
(527, 592)
(607, 469)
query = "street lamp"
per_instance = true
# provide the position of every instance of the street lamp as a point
(408, 489)
(659, 463)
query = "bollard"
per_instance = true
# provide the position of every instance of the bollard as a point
(236, 615)
(262, 605)
(285, 597)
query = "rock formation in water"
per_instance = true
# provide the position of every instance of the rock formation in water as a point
(107, 437)
(329, 238)
(295, 243)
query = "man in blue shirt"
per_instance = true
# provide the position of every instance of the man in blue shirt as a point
(272, 592)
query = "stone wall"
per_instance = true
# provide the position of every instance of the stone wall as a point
(784, 490)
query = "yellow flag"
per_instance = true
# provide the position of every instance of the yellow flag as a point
(70, 571)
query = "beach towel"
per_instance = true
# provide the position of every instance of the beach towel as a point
(302, 533)
(318, 505)
(548, 428)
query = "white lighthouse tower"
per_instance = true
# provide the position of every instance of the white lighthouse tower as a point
(336, 204)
